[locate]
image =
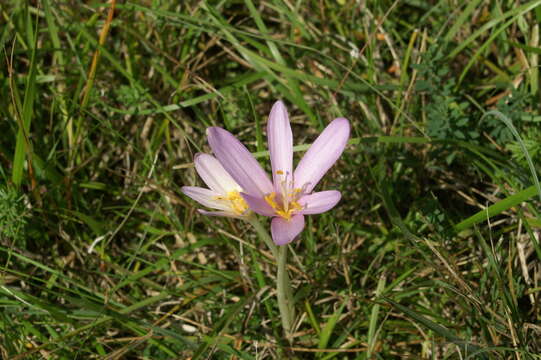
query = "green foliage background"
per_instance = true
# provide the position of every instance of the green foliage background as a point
(433, 252)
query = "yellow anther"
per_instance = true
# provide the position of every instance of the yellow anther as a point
(235, 201)
(283, 214)
(285, 211)
(295, 206)
(279, 172)
(270, 200)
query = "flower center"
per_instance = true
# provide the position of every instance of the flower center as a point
(237, 204)
(287, 203)
(283, 208)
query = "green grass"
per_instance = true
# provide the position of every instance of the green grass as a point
(433, 252)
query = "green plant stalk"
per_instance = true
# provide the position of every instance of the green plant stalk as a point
(284, 293)
(263, 235)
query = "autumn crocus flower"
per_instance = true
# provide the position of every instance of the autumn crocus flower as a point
(290, 195)
(224, 193)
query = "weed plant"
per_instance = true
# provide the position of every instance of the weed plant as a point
(433, 252)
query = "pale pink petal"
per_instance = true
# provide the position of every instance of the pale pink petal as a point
(319, 202)
(284, 231)
(280, 141)
(258, 205)
(239, 162)
(322, 155)
(205, 197)
(214, 174)
(219, 213)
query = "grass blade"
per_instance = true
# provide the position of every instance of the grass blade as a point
(465, 346)
(23, 147)
(497, 208)
(328, 329)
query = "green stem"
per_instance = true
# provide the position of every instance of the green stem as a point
(284, 294)
(283, 286)
(263, 235)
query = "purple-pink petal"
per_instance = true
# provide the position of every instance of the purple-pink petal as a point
(204, 197)
(319, 202)
(322, 154)
(239, 162)
(258, 205)
(285, 231)
(214, 174)
(280, 140)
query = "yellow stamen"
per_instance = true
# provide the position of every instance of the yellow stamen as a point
(237, 204)
(270, 200)
(279, 172)
(285, 210)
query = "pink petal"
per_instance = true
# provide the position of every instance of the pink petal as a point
(319, 202)
(219, 213)
(214, 174)
(204, 197)
(322, 154)
(284, 231)
(258, 205)
(280, 141)
(239, 162)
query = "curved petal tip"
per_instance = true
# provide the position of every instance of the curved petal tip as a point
(280, 139)
(214, 174)
(322, 154)
(285, 231)
(319, 202)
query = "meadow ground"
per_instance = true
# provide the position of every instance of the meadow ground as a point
(433, 252)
